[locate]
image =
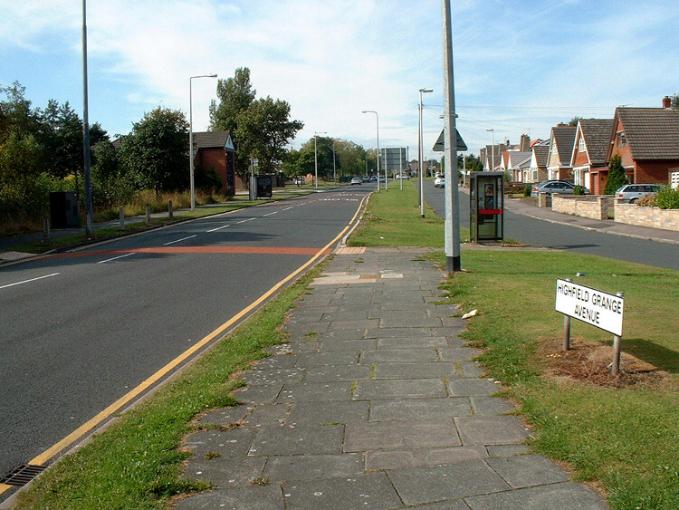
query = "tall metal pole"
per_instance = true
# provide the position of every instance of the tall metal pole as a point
(420, 155)
(400, 165)
(89, 208)
(315, 164)
(334, 166)
(377, 117)
(492, 148)
(191, 163)
(452, 225)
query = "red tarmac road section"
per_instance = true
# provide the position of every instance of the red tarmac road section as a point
(252, 250)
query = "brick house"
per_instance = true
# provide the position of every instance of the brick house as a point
(214, 150)
(590, 154)
(647, 141)
(537, 170)
(560, 150)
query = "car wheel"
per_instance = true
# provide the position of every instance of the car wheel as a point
(632, 200)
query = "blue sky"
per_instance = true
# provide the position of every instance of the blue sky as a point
(520, 66)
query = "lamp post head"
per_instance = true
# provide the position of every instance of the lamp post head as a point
(491, 130)
(426, 91)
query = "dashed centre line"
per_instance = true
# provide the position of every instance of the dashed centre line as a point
(286, 209)
(271, 213)
(219, 228)
(243, 221)
(28, 281)
(114, 258)
(179, 240)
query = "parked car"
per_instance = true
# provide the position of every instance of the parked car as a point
(633, 192)
(552, 186)
(356, 180)
(440, 182)
(372, 179)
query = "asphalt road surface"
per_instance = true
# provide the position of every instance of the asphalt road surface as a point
(79, 330)
(551, 235)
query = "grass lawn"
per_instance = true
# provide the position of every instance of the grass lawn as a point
(626, 439)
(135, 464)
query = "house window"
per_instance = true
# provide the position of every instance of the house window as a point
(581, 145)
(622, 139)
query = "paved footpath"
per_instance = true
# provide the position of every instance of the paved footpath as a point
(375, 404)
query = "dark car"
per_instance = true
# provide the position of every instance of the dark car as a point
(552, 186)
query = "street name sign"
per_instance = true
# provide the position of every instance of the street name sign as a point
(589, 305)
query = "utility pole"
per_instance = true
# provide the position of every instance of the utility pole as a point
(400, 165)
(452, 225)
(89, 208)
(420, 153)
(334, 166)
(377, 118)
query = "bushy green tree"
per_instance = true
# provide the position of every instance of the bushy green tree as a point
(616, 175)
(263, 131)
(155, 153)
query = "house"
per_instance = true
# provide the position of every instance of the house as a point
(560, 151)
(214, 150)
(590, 154)
(647, 141)
(537, 170)
(491, 156)
(517, 163)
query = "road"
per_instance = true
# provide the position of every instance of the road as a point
(79, 330)
(536, 232)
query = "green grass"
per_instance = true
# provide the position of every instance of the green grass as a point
(393, 219)
(136, 462)
(625, 439)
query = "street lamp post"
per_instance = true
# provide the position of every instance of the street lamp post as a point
(89, 208)
(334, 166)
(191, 172)
(316, 133)
(379, 154)
(492, 148)
(420, 153)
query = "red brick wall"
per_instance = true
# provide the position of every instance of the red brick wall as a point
(624, 151)
(214, 158)
(654, 171)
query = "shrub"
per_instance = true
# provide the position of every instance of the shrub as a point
(527, 190)
(647, 201)
(578, 190)
(616, 176)
(668, 198)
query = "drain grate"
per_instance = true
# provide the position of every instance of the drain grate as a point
(23, 474)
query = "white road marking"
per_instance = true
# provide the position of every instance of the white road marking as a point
(286, 209)
(27, 281)
(179, 240)
(219, 228)
(114, 258)
(243, 221)
(271, 213)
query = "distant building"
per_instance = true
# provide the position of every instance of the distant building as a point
(590, 154)
(560, 151)
(214, 150)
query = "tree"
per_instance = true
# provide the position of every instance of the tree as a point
(155, 152)
(263, 131)
(235, 95)
(574, 121)
(675, 101)
(616, 175)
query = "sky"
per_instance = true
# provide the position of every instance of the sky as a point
(520, 66)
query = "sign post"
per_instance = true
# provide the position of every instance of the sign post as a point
(600, 309)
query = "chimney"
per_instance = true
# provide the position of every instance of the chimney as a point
(667, 102)
(525, 143)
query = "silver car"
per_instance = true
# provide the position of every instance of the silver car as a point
(633, 192)
(549, 187)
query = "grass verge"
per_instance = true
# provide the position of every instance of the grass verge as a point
(135, 463)
(392, 219)
(623, 438)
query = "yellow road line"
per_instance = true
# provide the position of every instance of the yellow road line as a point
(4, 487)
(96, 420)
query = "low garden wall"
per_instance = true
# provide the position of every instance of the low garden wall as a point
(594, 207)
(654, 217)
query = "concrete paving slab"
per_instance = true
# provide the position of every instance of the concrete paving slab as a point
(224, 415)
(268, 414)
(402, 332)
(312, 359)
(412, 342)
(419, 409)
(459, 354)
(225, 475)
(491, 406)
(507, 450)
(348, 345)
(231, 445)
(323, 413)
(527, 470)
(435, 370)
(273, 376)
(454, 481)
(399, 355)
(314, 467)
(443, 505)
(559, 496)
(491, 430)
(384, 435)
(247, 498)
(315, 392)
(260, 393)
(394, 388)
(330, 373)
(277, 440)
(373, 490)
(404, 322)
(399, 459)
